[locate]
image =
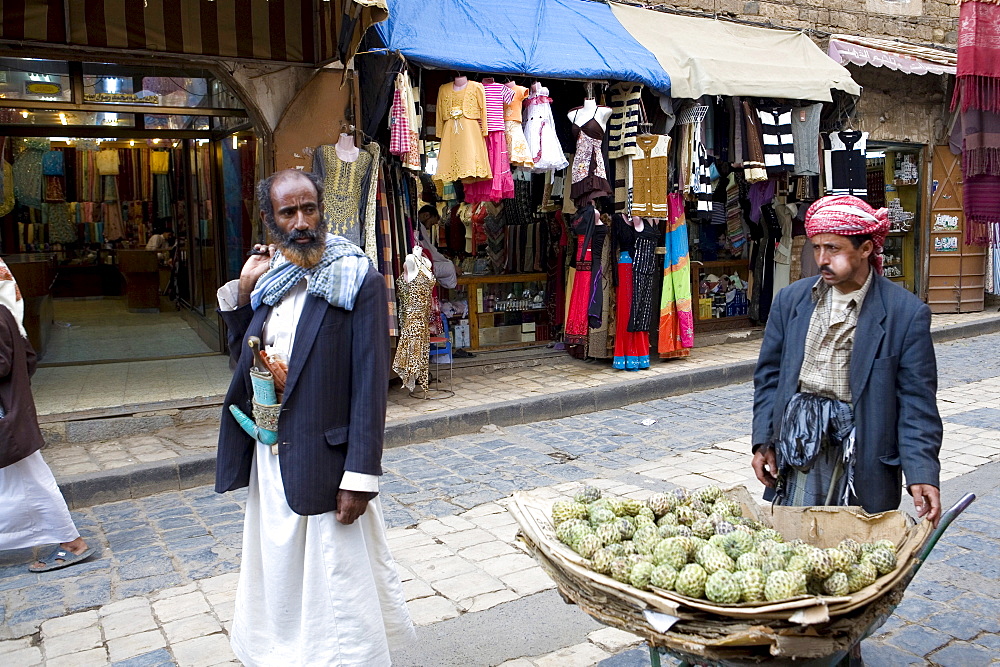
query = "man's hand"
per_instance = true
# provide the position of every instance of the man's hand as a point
(254, 268)
(765, 465)
(351, 505)
(927, 502)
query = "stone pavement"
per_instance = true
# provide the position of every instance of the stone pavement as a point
(161, 591)
(78, 450)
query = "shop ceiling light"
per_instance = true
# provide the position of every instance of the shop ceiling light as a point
(24, 114)
(62, 118)
(156, 141)
(131, 142)
(236, 142)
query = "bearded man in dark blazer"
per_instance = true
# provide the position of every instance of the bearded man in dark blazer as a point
(318, 584)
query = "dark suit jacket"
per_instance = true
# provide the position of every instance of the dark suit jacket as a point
(333, 414)
(19, 432)
(893, 386)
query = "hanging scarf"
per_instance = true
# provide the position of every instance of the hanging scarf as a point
(336, 278)
(981, 201)
(10, 296)
(977, 84)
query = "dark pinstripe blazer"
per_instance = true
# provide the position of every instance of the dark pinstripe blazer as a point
(333, 416)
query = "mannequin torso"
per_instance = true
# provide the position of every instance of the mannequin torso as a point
(460, 82)
(415, 262)
(590, 110)
(346, 149)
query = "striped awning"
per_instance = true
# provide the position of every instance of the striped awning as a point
(296, 31)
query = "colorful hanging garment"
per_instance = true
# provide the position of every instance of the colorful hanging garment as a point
(977, 84)
(676, 318)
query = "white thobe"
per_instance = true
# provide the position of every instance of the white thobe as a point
(312, 591)
(32, 509)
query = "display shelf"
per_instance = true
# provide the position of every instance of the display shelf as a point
(500, 337)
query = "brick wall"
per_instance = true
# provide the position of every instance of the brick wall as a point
(920, 21)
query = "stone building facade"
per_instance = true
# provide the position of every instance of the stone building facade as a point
(894, 106)
(919, 21)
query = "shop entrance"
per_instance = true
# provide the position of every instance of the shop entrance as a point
(896, 181)
(125, 191)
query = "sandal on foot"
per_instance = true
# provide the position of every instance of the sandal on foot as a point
(60, 558)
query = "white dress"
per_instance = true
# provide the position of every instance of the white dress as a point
(32, 510)
(540, 133)
(312, 591)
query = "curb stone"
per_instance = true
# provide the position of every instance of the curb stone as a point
(196, 470)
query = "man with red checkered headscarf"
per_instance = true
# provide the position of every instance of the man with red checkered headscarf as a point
(844, 391)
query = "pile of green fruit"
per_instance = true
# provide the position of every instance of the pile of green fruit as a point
(700, 545)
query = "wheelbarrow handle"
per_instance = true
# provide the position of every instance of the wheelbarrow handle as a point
(950, 515)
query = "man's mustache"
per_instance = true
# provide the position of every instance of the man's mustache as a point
(300, 234)
(825, 269)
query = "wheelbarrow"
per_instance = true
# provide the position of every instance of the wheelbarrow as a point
(876, 616)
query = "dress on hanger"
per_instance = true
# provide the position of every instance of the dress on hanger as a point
(517, 144)
(540, 133)
(346, 188)
(413, 349)
(636, 272)
(590, 176)
(501, 186)
(676, 330)
(588, 234)
(461, 127)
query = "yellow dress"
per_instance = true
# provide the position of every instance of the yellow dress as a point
(461, 127)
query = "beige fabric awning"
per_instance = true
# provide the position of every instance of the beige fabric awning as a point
(709, 57)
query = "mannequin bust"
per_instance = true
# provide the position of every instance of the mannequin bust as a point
(638, 223)
(415, 262)
(346, 149)
(488, 80)
(460, 82)
(590, 109)
(536, 87)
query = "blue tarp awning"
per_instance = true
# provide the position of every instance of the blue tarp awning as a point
(558, 39)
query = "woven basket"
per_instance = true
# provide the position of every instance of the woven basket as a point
(804, 627)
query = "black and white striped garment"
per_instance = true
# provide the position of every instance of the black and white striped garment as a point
(701, 184)
(626, 114)
(776, 133)
(844, 155)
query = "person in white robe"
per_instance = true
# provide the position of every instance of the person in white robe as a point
(32, 509)
(320, 589)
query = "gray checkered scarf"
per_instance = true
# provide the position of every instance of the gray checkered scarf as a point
(337, 277)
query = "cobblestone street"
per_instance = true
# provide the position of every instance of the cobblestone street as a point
(162, 590)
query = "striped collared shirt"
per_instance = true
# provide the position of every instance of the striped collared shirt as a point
(826, 363)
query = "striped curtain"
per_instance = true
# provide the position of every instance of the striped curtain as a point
(301, 31)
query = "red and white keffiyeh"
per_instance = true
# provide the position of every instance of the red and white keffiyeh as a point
(849, 216)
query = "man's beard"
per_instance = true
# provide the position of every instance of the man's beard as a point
(306, 255)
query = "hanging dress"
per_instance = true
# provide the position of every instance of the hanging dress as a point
(413, 348)
(517, 144)
(461, 127)
(501, 185)
(590, 176)
(634, 297)
(586, 229)
(676, 318)
(540, 133)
